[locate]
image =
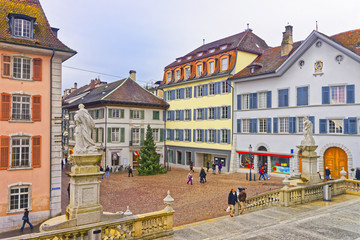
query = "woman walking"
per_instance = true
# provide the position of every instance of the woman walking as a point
(190, 178)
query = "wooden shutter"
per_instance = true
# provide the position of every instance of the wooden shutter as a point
(36, 108)
(6, 66)
(110, 113)
(122, 135)
(142, 112)
(4, 152)
(37, 69)
(36, 151)
(5, 106)
(109, 135)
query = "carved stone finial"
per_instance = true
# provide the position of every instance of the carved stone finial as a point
(343, 173)
(127, 212)
(168, 200)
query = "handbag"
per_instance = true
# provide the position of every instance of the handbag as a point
(24, 218)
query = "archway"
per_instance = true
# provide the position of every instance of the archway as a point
(262, 160)
(335, 158)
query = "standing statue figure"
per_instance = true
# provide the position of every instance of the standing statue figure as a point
(84, 124)
(308, 133)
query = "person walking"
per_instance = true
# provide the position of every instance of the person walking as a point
(214, 168)
(107, 171)
(26, 219)
(130, 172)
(242, 199)
(191, 166)
(189, 176)
(261, 173)
(327, 173)
(219, 167)
(68, 190)
(357, 174)
(202, 176)
(265, 173)
(207, 166)
(232, 200)
(102, 170)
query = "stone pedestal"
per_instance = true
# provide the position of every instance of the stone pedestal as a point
(309, 163)
(85, 190)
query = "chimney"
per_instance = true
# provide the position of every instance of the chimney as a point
(92, 84)
(75, 85)
(55, 31)
(287, 41)
(133, 75)
(98, 81)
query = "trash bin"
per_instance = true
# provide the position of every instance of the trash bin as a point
(327, 192)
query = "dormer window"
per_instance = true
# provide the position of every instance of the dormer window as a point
(200, 54)
(212, 50)
(211, 67)
(187, 72)
(177, 74)
(189, 57)
(21, 25)
(199, 69)
(224, 63)
(252, 69)
(223, 47)
(168, 77)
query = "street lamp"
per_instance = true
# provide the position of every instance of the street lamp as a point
(250, 148)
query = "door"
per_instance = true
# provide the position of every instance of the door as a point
(336, 159)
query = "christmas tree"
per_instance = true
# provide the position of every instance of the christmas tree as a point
(149, 160)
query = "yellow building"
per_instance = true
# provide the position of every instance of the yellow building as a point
(199, 120)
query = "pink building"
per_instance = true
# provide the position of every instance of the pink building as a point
(30, 113)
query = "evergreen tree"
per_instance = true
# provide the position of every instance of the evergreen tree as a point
(149, 160)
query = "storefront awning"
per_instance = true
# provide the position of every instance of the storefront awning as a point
(266, 154)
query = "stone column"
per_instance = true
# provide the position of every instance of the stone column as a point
(296, 172)
(233, 156)
(256, 161)
(309, 163)
(269, 164)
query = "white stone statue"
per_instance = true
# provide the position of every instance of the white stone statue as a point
(84, 124)
(308, 133)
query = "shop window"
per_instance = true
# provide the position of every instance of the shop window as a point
(246, 161)
(188, 158)
(171, 154)
(280, 165)
(179, 157)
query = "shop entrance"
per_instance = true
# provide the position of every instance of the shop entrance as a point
(207, 157)
(335, 158)
(262, 160)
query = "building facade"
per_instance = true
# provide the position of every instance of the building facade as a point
(318, 79)
(121, 110)
(199, 120)
(30, 110)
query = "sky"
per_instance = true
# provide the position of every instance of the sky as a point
(115, 36)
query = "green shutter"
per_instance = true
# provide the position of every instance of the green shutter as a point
(131, 135)
(142, 135)
(131, 114)
(154, 115)
(96, 134)
(122, 113)
(122, 136)
(161, 135)
(110, 113)
(142, 114)
(109, 135)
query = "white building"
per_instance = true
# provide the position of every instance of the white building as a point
(318, 78)
(121, 111)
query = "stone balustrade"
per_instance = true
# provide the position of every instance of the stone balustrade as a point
(352, 186)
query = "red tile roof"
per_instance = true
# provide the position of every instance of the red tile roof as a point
(43, 35)
(349, 39)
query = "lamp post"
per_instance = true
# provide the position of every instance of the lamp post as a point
(250, 148)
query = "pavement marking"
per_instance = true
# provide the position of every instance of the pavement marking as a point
(211, 220)
(180, 227)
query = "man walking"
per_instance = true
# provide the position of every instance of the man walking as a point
(107, 171)
(232, 200)
(214, 168)
(207, 166)
(242, 199)
(202, 176)
(25, 219)
(130, 172)
(327, 173)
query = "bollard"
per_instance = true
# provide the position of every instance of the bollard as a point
(254, 177)
(246, 176)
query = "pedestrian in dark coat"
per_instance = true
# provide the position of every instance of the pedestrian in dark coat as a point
(107, 171)
(220, 167)
(207, 166)
(357, 174)
(101, 170)
(242, 199)
(202, 176)
(327, 173)
(130, 172)
(232, 200)
(191, 166)
(214, 168)
(26, 219)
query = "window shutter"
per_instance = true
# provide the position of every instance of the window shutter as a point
(161, 134)
(203, 114)
(172, 94)
(172, 134)
(109, 135)
(254, 100)
(268, 125)
(110, 113)
(239, 102)
(195, 91)
(172, 115)
(268, 99)
(228, 112)
(165, 93)
(181, 93)
(228, 85)
(251, 101)
(181, 135)
(218, 112)
(322, 125)
(101, 137)
(228, 136)
(218, 136)
(215, 137)
(36, 108)
(190, 92)
(164, 131)
(131, 114)
(122, 136)
(292, 124)
(202, 135)
(255, 125)
(189, 114)
(142, 112)
(194, 114)
(205, 90)
(194, 135)
(275, 128)
(6, 66)
(238, 125)
(346, 126)
(299, 96)
(36, 151)
(182, 115)
(5, 106)
(142, 136)
(37, 69)
(305, 96)
(164, 115)
(326, 95)
(353, 125)
(122, 113)
(312, 119)
(4, 152)
(218, 86)
(350, 94)
(206, 113)
(206, 135)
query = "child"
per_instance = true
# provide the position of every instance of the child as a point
(189, 177)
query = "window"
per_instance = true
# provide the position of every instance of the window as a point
(302, 96)
(156, 133)
(225, 87)
(168, 115)
(200, 90)
(20, 154)
(156, 115)
(224, 136)
(284, 125)
(211, 137)
(20, 108)
(177, 93)
(116, 113)
(198, 135)
(262, 99)
(188, 92)
(224, 112)
(187, 114)
(177, 74)
(22, 28)
(199, 113)
(337, 95)
(115, 134)
(168, 134)
(245, 103)
(97, 135)
(168, 77)
(300, 124)
(283, 98)
(262, 125)
(19, 197)
(199, 69)
(223, 47)
(245, 125)
(21, 68)
(212, 50)
(211, 112)
(211, 88)
(136, 136)
(187, 134)
(187, 72)
(224, 64)
(136, 114)
(211, 67)
(177, 134)
(177, 114)
(335, 126)
(99, 113)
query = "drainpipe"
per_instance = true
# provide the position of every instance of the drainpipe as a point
(51, 78)
(105, 134)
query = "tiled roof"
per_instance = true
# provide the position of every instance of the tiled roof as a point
(124, 91)
(43, 35)
(244, 41)
(349, 39)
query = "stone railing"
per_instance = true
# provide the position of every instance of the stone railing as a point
(263, 200)
(352, 186)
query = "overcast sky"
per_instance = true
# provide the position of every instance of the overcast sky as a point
(115, 36)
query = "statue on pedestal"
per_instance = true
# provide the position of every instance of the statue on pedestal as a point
(308, 133)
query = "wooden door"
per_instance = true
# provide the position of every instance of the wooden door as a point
(336, 159)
